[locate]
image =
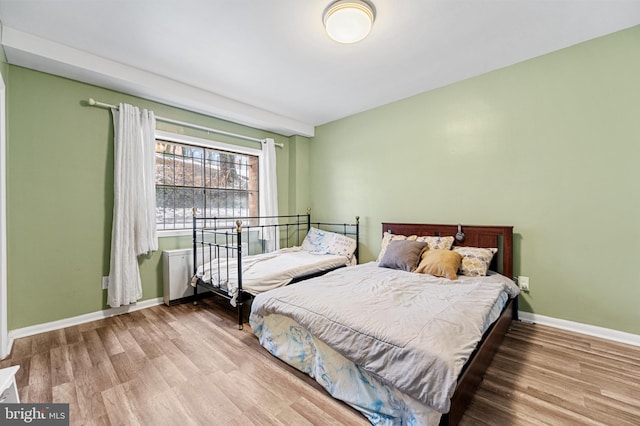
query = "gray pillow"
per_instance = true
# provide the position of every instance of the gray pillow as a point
(403, 255)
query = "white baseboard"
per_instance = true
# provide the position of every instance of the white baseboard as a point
(80, 319)
(591, 330)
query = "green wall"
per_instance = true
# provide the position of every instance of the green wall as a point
(60, 194)
(550, 145)
(299, 197)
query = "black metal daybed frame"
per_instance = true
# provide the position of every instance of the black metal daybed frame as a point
(219, 239)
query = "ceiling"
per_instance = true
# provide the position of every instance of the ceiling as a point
(270, 65)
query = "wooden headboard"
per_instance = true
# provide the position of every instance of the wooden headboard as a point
(474, 236)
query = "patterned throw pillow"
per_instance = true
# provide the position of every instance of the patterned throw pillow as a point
(434, 243)
(475, 260)
(437, 243)
(319, 241)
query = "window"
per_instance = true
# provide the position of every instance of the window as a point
(218, 182)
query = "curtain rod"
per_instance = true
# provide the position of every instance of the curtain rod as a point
(95, 103)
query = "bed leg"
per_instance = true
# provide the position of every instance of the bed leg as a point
(240, 316)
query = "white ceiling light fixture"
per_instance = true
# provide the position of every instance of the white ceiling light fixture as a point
(348, 21)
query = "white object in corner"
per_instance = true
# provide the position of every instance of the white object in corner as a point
(8, 388)
(590, 330)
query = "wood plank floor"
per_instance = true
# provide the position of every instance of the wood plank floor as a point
(189, 365)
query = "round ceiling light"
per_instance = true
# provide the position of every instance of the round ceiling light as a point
(348, 21)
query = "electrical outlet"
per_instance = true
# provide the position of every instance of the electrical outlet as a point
(105, 283)
(523, 283)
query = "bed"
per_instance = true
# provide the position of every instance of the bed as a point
(358, 331)
(240, 257)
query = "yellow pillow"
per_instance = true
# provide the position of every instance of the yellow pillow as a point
(440, 263)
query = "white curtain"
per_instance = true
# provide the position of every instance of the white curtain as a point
(134, 225)
(269, 192)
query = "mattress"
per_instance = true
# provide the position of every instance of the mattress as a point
(389, 314)
(266, 271)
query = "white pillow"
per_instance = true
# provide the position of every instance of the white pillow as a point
(319, 241)
(437, 243)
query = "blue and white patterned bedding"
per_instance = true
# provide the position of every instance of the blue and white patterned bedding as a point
(344, 380)
(390, 343)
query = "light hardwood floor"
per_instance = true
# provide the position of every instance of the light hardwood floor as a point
(189, 365)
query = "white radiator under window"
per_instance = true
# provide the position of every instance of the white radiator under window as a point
(177, 271)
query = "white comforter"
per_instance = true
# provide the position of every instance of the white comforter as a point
(266, 271)
(413, 331)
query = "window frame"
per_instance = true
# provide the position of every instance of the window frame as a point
(205, 143)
